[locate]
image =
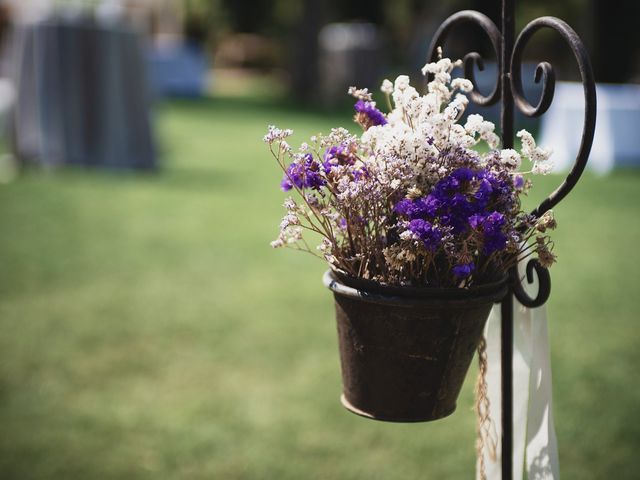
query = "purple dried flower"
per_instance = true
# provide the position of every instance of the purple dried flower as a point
(463, 270)
(303, 173)
(518, 182)
(428, 233)
(403, 207)
(343, 155)
(495, 219)
(464, 200)
(417, 208)
(368, 115)
(484, 191)
(337, 155)
(476, 221)
(491, 227)
(494, 237)
(465, 193)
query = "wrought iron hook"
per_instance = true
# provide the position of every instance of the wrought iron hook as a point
(472, 58)
(544, 284)
(545, 70)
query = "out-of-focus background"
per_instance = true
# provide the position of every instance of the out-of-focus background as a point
(146, 328)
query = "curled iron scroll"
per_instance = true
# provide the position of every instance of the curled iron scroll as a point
(544, 284)
(544, 72)
(471, 59)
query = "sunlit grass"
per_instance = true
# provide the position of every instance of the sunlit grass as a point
(148, 331)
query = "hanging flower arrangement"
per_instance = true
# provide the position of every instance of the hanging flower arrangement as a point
(419, 218)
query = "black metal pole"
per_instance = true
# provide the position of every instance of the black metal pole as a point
(509, 92)
(508, 35)
(506, 335)
(506, 327)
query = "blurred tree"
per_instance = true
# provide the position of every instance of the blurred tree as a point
(410, 26)
(305, 50)
(615, 43)
(249, 16)
(361, 10)
(204, 20)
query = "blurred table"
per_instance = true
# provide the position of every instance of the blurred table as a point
(82, 95)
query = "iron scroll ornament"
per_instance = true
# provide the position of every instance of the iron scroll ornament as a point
(471, 58)
(513, 72)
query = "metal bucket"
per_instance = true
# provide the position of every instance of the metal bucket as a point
(405, 352)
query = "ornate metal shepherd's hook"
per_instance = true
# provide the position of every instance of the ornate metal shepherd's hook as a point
(508, 89)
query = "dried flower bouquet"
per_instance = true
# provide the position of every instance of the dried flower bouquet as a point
(412, 201)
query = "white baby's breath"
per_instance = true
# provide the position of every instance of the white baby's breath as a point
(275, 134)
(401, 83)
(539, 156)
(360, 94)
(510, 159)
(462, 84)
(386, 87)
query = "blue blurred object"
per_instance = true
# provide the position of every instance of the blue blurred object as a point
(82, 95)
(178, 70)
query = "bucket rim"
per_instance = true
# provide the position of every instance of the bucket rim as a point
(373, 292)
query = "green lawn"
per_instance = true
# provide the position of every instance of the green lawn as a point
(147, 330)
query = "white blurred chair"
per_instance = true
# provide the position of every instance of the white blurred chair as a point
(616, 142)
(7, 101)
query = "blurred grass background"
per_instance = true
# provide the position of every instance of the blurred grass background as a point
(148, 331)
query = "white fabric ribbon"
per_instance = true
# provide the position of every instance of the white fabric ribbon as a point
(535, 446)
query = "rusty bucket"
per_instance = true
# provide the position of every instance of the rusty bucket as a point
(405, 352)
